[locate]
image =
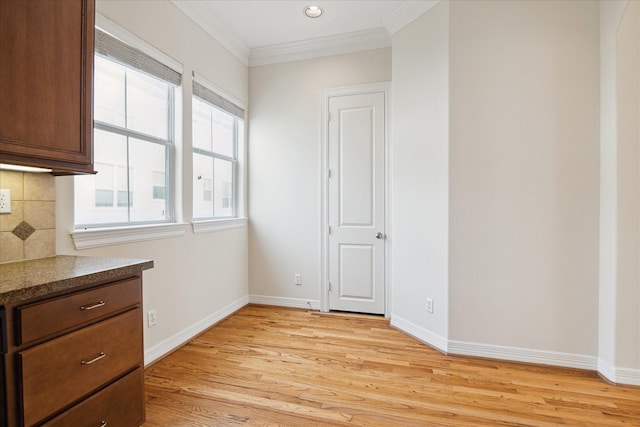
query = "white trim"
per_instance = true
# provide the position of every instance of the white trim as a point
(132, 40)
(285, 302)
(97, 237)
(627, 376)
(421, 334)
(527, 355)
(322, 46)
(619, 375)
(324, 201)
(208, 226)
(204, 17)
(404, 14)
(606, 370)
(184, 336)
(376, 38)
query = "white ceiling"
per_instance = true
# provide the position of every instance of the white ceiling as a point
(267, 31)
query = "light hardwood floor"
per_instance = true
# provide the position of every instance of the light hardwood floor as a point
(272, 366)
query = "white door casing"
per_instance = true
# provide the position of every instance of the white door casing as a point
(356, 257)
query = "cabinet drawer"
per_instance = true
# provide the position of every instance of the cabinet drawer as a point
(119, 405)
(61, 371)
(47, 318)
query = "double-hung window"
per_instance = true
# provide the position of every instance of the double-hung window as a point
(218, 128)
(133, 139)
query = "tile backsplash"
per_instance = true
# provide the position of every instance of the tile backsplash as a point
(29, 230)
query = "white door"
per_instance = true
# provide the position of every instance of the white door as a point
(356, 203)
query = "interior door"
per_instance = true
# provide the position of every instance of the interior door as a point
(356, 205)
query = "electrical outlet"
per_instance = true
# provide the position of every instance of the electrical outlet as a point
(5, 201)
(429, 305)
(298, 279)
(152, 317)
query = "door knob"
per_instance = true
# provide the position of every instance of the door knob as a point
(379, 235)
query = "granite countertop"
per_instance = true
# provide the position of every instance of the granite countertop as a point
(23, 280)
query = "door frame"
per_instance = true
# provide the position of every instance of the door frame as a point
(384, 87)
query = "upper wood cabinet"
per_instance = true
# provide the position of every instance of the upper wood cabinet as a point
(46, 84)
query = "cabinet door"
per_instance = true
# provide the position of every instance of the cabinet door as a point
(120, 405)
(61, 371)
(46, 80)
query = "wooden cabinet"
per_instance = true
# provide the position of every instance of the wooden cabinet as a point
(118, 403)
(46, 81)
(78, 358)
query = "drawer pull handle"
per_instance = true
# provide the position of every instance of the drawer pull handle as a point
(100, 356)
(92, 306)
(103, 424)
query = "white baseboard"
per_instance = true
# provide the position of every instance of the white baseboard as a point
(420, 333)
(619, 375)
(627, 376)
(171, 343)
(285, 302)
(527, 355)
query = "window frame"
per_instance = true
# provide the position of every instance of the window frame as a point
(133, 54)
(239, 142)
(234, 170)
(170, 170)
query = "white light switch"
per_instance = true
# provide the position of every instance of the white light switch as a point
(5, 201)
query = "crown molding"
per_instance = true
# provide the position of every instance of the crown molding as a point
(404, 14)
(376, 38)
(321, 46)
(204, 17)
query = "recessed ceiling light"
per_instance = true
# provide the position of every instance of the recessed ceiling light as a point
(313, 11)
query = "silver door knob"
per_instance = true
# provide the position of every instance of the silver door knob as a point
(379, 235)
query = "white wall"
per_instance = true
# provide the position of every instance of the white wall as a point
(420, 208)
(285, 158)
(495, 209)
(196, 278)
(627, 321)
(524, 174)
(619, 290)
(610, 15)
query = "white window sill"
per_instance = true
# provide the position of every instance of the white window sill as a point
(97, 237)
(213, 225)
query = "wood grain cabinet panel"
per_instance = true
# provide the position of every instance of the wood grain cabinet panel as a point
(63, 370)
(46, 80)
(117, 405)
(46, 318)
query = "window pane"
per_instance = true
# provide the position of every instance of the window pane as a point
(202, 186)
(145, 159)
(223, 188)
(104, 175)
(95, 194)
(147, 105)
(104, 198)
(159, 185)
(123, 199)
(201, 125)
(222, 132)
(109, 92)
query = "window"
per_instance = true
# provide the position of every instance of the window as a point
(133, 139)
(218, 126)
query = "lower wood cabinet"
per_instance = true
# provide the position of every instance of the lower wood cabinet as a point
(117, 405)
(75, 364)
(77, 359)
